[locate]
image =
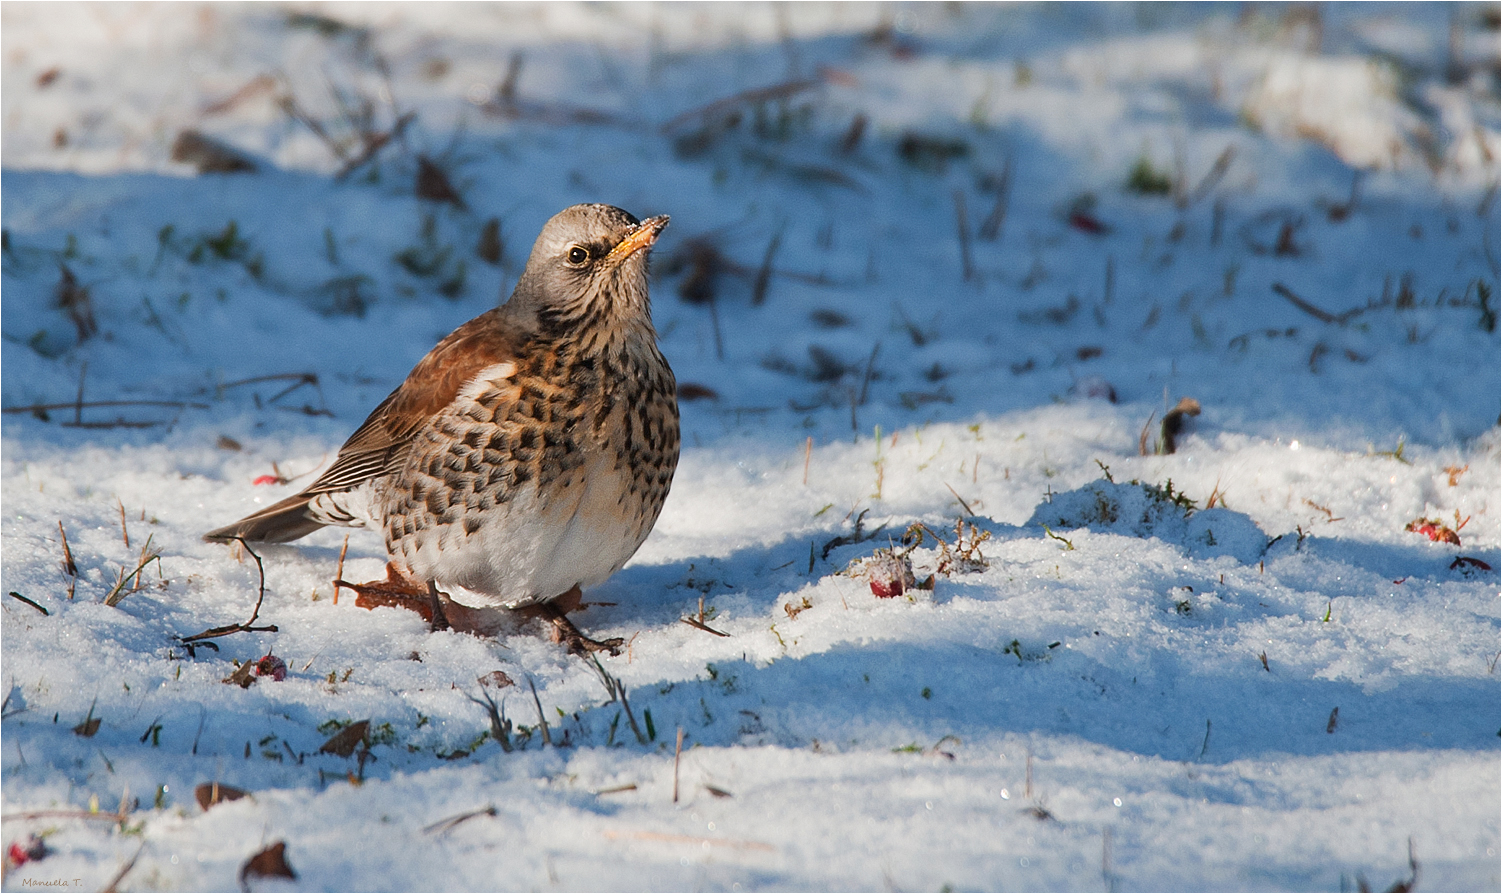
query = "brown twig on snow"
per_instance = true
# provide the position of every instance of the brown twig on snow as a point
(1142, 438)
(542, 720)
(445, 825)
(702, 626)
(246, 627)
(14, 595)
(79, 406)
(374, 143)
(339, 572)
(65, 814)
(125, 869)
(118, 591)
(962, 226)
(1323, 316)
(690, 839)
(764, 273)
(124, 532)
(1209, 181)
(745, 97)
(677, 753)
(990, 228)
(957, 496)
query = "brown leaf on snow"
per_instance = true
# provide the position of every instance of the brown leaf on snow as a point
(343, 742)
(270, 862)
(210, 793)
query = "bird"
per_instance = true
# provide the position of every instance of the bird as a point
(528, 455)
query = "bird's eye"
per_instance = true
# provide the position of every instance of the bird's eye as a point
(577, 255)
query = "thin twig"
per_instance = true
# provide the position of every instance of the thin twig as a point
(745, 97)
(374, 143)
(702, 626)
(500, 727)
(690, 839)
(1142, 438)
(339, 572)
(445, 825)
(866, 378)
(542, 720)
(79, 406)
(300, 378)
(962, 226)
(1323, 316)
(130, 864)
(764, 274)
(808, 452)
(616, 789)
(15, 595)
(990, 228)
(65, 814)
(118, 592)
(124, 532)
(677, 753)
(246, 627)
(714, 319)
(1217, 171)
(69, 565)
(957, 496)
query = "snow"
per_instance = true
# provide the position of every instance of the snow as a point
(1231, 667)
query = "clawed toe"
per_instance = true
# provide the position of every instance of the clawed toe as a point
(567, 635)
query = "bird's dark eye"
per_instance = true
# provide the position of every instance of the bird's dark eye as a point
(577, 255)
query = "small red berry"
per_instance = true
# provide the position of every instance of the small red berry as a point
(21, 852)
(273, 667)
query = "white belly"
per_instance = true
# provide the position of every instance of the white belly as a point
(528, 550)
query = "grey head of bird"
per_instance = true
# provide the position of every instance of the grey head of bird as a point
(588, 270)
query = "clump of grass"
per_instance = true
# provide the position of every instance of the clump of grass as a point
(1145, 179)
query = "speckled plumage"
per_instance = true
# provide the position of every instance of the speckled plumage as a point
(531, 450)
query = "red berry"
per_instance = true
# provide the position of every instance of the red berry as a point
(267, 479)
(33, 848)
(273, 667)
(1086, 223)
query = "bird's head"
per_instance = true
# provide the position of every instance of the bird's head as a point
(588, 269)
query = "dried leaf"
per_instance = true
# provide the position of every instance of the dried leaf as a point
(210, 156)
(343, 742)
(243, 676)
(210, 793)
(433, 184)
(1173, 421)
(491, 247)
(89, 726)
(271, 862)
(496, 680)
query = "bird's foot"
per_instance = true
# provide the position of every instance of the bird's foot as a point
(566, 634)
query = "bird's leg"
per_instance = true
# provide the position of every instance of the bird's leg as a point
(567, 634)
(439, 620)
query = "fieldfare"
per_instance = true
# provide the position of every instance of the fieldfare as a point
(529, 453)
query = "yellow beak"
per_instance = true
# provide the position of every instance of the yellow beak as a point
(640, 238)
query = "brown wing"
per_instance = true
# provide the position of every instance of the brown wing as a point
(380, 444)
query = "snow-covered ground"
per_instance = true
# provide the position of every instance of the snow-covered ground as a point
(1003, 242)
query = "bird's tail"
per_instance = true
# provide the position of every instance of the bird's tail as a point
(277, 523)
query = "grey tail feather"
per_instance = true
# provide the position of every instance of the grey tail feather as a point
(277, 523)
